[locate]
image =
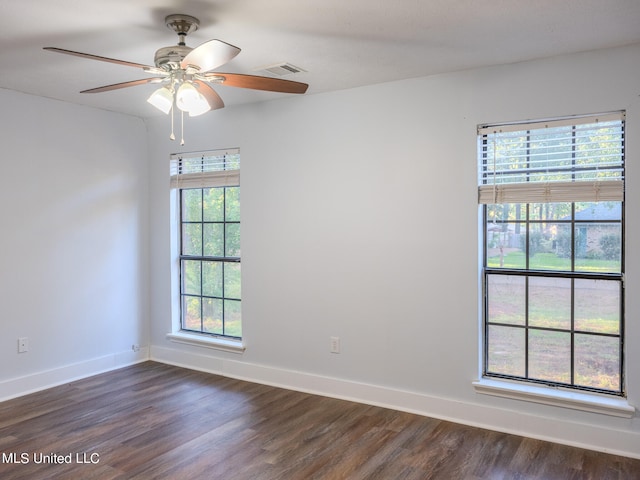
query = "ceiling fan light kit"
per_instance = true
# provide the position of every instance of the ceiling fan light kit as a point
(186, 73)
(188, 99)
(162, 99)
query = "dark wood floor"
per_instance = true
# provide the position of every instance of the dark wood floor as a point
(153, 421)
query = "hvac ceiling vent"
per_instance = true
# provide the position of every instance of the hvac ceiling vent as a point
(281, 69)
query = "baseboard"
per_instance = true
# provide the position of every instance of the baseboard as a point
(17, 387)
(592, 437)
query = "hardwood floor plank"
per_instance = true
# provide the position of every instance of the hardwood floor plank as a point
(153, 421)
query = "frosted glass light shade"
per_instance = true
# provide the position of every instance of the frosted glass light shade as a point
(201, 107)
(162, 99)
(188, 99)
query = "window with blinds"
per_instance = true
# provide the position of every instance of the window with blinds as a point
(552, 198)
(219, 168)
(207, 187)
(572, 159)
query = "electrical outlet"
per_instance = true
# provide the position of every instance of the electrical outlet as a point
(23, 344)
(335, 345)
(135, 347)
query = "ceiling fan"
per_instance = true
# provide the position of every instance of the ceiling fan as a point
(186, 73)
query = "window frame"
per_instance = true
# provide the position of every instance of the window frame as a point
(213, 259)
(527, 273)
(218, 169)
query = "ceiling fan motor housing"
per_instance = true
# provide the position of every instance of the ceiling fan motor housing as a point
(171, 56)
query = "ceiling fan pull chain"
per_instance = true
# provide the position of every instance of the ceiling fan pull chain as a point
(182, 134)
(172, 136)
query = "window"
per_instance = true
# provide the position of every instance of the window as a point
(552, 197)
(207, 189)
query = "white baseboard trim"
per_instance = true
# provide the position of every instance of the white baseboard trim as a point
(625, 442)
(17, 387)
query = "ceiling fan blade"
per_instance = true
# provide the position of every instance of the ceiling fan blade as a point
(117, 86)
(97, 57)
(209, 55)
(210, 94)
(260, 83)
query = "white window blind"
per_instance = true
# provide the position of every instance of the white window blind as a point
(216, 168)
(574, 159)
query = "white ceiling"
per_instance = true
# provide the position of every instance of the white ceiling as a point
(340, 43)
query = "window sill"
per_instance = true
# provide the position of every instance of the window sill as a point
(216, 343)
(588, 402)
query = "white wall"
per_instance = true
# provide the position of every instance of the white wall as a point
(360, 221)
(73, 255)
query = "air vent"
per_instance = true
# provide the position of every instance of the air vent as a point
(280, 69)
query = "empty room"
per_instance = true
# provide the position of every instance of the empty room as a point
(320, 240)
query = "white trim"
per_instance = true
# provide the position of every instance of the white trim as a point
(618, 438)
(207, 341)
(587, 402)
(35, 382)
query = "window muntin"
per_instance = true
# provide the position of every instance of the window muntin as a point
(553, 254)
(209, 243)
